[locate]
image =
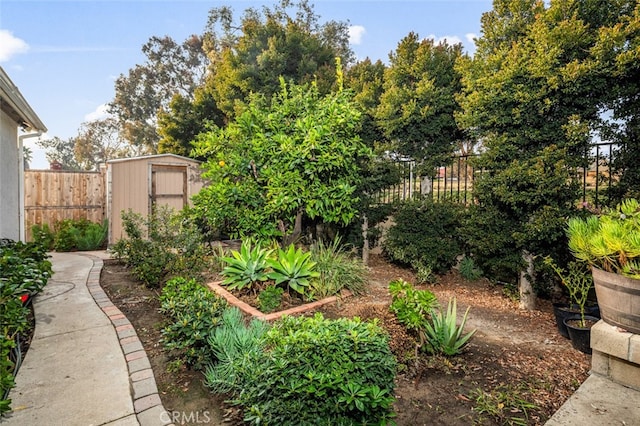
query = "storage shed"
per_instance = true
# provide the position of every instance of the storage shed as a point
(142, 182)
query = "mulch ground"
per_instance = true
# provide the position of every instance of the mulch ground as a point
(515, 356)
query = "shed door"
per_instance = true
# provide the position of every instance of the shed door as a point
(169, 186)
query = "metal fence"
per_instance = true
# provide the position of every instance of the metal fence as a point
(455, 181)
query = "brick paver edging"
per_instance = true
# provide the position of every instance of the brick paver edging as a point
(144, 390)
(250, 310)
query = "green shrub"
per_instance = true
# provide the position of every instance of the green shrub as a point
(425, 234)
(43, 235)
(193, 312)
(237, 350)
(494, 251)
(71, 234)
(92, 237)
(337, 270)
(412, 307)
(468, 269)
(309, 370)
(24, 270)
(65, 234)
(270, 298)
(165, 244)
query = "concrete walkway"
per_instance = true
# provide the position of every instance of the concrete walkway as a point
(85, 365)
(599, 402)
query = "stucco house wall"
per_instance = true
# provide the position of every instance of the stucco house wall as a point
(17, 121)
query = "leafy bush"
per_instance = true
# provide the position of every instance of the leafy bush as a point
(412, 307)
(494, 251)
(165, 244)
(71, 234)
(468, 269)
(246, 267)
(293, 267)
(307, 370)
(443, 335)
(43, 235)
(425, 235)
(270, 298)
(24, 270)
(192, 313)
(92, 237)
(337, 269)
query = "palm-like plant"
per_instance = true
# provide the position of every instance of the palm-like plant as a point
(246, 267)
(293, 267)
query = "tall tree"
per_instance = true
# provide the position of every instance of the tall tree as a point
(184, 120)
(250, 56)
(282, 162)
(616, 58)
(530, 97)
(417, 107)
(60, 152)
(366, 80)
(99, 141)
(171, 69)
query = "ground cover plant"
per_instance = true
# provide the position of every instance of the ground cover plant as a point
(24, 271)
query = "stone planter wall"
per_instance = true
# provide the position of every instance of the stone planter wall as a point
(616, 354)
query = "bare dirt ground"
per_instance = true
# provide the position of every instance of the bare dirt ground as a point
(514, 356)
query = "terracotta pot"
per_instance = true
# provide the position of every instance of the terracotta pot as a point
(618, 299)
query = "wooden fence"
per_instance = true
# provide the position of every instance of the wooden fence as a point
(54, 195)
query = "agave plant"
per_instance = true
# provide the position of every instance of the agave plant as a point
(444, 336)
(293, 267)
(609, 241)
(246, 267)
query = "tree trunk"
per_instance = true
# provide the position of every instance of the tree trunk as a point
(365, 244)
(527, 294)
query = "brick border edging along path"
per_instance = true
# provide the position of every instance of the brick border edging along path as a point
(144, 390)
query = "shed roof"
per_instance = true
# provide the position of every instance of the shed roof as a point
(155, 156)
(13, 103)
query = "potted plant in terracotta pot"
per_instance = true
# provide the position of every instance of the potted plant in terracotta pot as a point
(610, 243)
(577, 324)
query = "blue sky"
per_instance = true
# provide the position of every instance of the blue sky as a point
(64, 56)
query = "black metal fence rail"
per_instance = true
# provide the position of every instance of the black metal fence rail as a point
(455, 181)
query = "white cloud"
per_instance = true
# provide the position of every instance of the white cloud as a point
(355, 34)
(10, 45)
(448, 38)
(98, 114)
(471, 37)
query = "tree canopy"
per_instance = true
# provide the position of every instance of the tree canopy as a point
(290, 158)
(533, 96)
(171, 69)
(417, 107)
